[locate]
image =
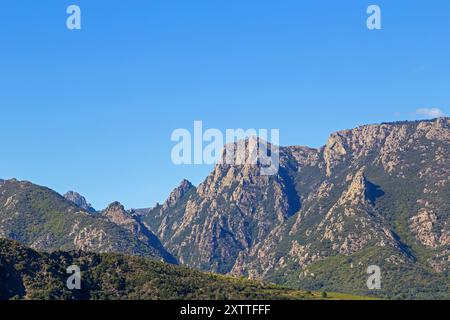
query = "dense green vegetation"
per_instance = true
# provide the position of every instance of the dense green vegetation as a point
(27, 274)
(349, 274)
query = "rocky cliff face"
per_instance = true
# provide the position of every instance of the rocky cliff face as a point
(79, 201)
(377, 194)
(232, 210)
(117, 214)
(177, 194)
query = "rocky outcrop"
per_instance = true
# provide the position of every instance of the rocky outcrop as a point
(129, 220)
(79, 201)
(424, 227)
(177, 194)
(117, 214)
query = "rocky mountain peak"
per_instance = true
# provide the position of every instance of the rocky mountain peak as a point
(179, 192)
(116, 205)
(248, 152)
(117, 214)
(128, 220)
(79, 201)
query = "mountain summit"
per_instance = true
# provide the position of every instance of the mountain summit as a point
(79, 200)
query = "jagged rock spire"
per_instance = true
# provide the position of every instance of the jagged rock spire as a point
(178, 193)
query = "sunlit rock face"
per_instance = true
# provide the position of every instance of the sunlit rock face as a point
(79, 200)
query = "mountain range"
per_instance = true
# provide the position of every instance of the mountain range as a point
(374, 195)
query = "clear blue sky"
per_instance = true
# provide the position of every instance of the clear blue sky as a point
(93, 110)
